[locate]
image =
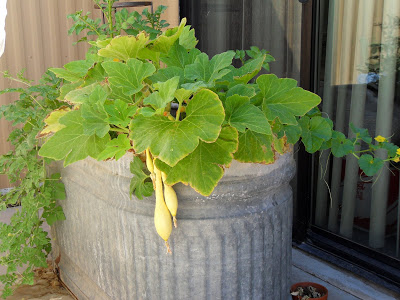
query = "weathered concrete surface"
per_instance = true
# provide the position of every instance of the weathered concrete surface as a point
(235, 244)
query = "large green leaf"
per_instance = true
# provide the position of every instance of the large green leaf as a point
(254, 148)
(240, 114)
(141, 184)
(73, 71)
(125, 47)
(283, 100)
(315, 131)
(207, 70)
(94, 114)
(164, 95)
(128, 77)
(164, 42)
(71, 143)
(171, 141)
(205, 163)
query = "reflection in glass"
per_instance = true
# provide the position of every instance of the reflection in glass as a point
(360, 84)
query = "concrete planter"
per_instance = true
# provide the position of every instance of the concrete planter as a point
(234, 244)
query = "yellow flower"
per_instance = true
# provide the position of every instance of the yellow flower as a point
(398, 151)
(396, 159)
(380, 139)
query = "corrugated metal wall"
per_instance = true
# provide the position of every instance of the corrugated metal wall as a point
(37, 39)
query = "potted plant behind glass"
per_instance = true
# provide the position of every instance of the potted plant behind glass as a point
(156, 107)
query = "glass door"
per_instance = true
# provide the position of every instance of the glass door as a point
(357, 65)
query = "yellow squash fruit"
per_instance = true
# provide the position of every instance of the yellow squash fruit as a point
(171, 201)
(162, 216)
(149, 161)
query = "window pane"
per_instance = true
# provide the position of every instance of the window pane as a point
(358, 79)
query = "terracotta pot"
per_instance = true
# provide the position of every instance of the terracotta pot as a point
(320, 288)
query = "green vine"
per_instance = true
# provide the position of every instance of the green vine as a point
(23, 242)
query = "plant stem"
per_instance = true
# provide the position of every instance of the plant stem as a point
(94, 29)
(119, 129)
(109, 17)
(15, 79)
(178, 112)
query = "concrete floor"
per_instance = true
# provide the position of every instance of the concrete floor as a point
(341, 284)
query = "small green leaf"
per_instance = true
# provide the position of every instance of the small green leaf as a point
(128, 77)
(183, 95)
(116, 148)
(369, 164)
(250, 69)
(125, 47)
(141, 184)
(240, 114)
(95, 74)
(94, 114)
(315, 131)
(205, 163)
(171, 141)
(179, 57)
(292, 133)
(209, 70)
(340, 145)
(165, 74)
(283, 100)
(187, 39)
(241, 90)
(361, 133)
(254, 148)
(120, 113)
(391, 148)
(164, 95)
(147, 111)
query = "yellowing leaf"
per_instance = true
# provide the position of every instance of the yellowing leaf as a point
(71, 143)
(165, 41)
(52, 121)
(125, 47)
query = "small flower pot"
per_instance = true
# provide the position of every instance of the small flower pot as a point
(320, 288)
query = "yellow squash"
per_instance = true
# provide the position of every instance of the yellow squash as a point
(162, 216)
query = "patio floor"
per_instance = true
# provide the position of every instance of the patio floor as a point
(341, 285)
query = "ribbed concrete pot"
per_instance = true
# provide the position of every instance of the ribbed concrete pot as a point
(234, 244)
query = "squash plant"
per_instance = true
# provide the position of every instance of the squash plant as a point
(189, 113)
(184, 115)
